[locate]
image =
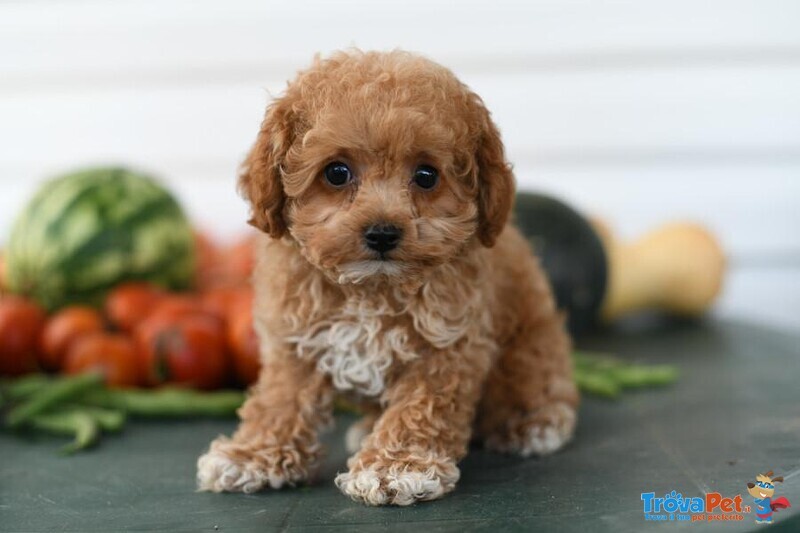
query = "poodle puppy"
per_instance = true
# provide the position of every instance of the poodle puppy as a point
(387, 272)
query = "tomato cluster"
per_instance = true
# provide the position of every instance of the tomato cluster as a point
(143, 335)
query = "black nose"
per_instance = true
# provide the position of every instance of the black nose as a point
(382, 237)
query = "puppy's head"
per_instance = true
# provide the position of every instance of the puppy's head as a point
(378, 164)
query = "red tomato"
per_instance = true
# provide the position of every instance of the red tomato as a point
(130, 303)
(189, 350)
(243, 341)
(170, 311)
(63, 329)
(221, 300)
(175, 307)
(21, 323)
(115, 356)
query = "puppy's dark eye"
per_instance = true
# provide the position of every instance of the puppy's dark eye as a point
(338, 174)
(426, 177)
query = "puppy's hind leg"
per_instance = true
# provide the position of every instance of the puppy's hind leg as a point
(530, 401)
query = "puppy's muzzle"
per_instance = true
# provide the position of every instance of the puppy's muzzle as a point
(382, 237)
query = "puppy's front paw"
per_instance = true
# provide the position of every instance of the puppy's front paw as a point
(390, 481)
(229, 466)
(540, 432)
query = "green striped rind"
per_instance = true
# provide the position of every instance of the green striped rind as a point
(88, 231)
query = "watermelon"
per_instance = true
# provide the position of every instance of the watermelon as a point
(84, 232)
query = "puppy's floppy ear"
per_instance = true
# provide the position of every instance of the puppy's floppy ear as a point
(495, 181)
(260, 179)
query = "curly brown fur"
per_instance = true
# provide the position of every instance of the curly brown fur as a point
(452, 333)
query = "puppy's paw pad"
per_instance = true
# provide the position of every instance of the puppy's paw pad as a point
(548, 429)
(216, 472)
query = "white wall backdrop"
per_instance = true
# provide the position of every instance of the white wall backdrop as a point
(637, 110)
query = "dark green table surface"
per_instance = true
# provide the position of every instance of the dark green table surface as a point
(734, 413)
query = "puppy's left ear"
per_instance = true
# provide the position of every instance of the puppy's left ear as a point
(495, 181)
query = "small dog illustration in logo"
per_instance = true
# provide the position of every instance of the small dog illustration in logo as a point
(762, 490)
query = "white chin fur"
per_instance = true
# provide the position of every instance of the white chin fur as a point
(358, 271)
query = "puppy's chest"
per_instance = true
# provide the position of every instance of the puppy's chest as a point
(357, 346)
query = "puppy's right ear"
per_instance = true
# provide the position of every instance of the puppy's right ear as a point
(260, 179)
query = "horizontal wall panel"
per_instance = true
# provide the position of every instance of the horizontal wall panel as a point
(112, 43)
(765, 294)
(590, 117)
